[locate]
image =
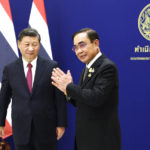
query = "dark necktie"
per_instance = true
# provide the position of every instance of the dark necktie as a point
(29, 77)
(85, 73)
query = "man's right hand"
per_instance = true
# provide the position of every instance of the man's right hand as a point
(61, 79)
(1, 131)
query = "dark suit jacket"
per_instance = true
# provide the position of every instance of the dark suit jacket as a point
(96, 99)
(45, 107)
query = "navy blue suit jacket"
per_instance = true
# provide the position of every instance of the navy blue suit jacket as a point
(45, 107)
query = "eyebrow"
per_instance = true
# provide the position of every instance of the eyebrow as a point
(29, 42)
(80, 43)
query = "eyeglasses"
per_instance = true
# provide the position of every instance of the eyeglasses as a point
(80, 45)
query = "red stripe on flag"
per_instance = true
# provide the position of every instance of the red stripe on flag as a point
(6, 6)
(40, 6)
(7, 130)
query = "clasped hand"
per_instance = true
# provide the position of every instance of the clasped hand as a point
(60, 79)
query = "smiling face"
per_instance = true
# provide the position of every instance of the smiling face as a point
(89, 51)
(29, 47)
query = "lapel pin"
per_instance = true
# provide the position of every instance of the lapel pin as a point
(91, 70)
(89, 75)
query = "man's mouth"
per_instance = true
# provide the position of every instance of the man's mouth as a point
(82, 56)
(30, 53)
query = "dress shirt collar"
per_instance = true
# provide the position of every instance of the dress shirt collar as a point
(25, 63)
(93, 60)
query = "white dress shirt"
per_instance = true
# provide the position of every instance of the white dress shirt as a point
(93, 60)
(25, 66)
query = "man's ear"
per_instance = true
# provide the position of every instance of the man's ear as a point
(96, 42)
(18, 44)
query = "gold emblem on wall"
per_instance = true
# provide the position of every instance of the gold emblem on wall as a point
(144, 22)
(141, 52)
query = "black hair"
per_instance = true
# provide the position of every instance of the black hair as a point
(92, 34)
(29, 32)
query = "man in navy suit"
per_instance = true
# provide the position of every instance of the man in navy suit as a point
(38, 108)
(96, 96)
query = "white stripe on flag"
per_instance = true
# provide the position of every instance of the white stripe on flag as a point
(7, 29)
(36, 21)
(9, 113)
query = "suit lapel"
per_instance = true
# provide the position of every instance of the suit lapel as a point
(81, 77)
(21, 74)
(93, 69)
(38, 73)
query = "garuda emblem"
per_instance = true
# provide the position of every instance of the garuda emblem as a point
(144, 22)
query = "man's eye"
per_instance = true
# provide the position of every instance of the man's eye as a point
(82, 45)
(34, 44)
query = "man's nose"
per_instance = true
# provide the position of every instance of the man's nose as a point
(79, 50)
(30, 47)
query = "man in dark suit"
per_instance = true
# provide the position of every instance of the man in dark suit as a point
(96, 96)
(38, 108)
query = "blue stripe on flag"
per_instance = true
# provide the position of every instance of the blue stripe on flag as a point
(6, 53)
(43, 52)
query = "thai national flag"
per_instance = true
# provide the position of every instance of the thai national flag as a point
(39, 22)
(8, 48)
